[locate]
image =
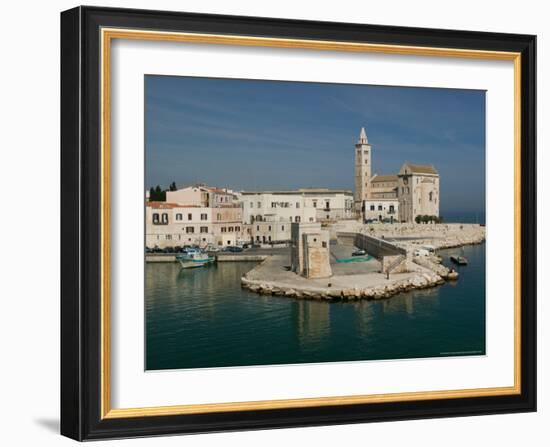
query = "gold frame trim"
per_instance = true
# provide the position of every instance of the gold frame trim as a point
(107, 35)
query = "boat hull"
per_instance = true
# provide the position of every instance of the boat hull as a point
(191, 264)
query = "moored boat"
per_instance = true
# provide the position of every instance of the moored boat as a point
(192, 258)
(460, 260)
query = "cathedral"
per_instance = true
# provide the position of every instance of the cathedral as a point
(401, 197)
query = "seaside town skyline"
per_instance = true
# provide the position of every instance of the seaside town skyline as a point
(276, 191)
(275, 127)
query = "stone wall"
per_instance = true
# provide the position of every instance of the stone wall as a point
(316, 255)
(310, 250)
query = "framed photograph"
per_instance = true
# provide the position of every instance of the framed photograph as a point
(276, 223)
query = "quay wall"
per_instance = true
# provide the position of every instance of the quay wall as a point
(170, 257)
(374, 246)
(160, 257)
(240, 258)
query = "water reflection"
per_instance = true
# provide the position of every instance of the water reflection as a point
(313, 323)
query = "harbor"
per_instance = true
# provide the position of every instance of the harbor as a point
(413, 263)
(183, 305)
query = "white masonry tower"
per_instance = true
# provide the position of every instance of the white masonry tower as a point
(362, 169)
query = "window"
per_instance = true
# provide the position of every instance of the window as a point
(327, 204)
(282, 228)
(164, 218)
(204, 229)
(311, 219)
(273, 205)
(179, 216)
(379, 207)
(204, 216)
(168, 237)
(218, 216)
(190, 230)
(259, 204)
(431, 196)
(372, 207)
(237, 229)
(290, 218)
(230, 229)
(324, 244)
(189, 216)
(251, 204)
(258, 238)
(297, 219)
(297, 204)
(257, 228)
(224, 230)
(315, 204)
(269, 238)
(269, 228)
(155, 218)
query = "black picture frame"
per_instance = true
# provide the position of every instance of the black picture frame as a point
(81, 224)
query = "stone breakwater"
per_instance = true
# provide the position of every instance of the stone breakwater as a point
(410, 234)
(271, 277)
(437, 235)
(342, 288)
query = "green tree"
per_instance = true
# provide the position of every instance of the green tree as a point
(156, 194)
(173, 186)
(418, 219)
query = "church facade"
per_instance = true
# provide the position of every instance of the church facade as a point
(401, 197)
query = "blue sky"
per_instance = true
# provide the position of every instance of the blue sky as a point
(257, 135)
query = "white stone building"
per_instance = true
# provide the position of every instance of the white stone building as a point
(267, 215)
(413, 192)
(170, 225)
(418, 192)
(362, 170)
(195, 215)
(382, 203)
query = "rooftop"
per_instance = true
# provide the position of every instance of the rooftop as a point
(301, 191)
(420, 169)
(384, 178)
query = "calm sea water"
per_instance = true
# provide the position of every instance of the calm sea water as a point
(202, 318)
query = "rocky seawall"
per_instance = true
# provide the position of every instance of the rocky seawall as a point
(420, 271)
(437, 235)
(421, 278)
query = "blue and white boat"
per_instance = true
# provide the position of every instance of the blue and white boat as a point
(193, 258)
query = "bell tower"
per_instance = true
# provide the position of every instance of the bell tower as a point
(362, 169)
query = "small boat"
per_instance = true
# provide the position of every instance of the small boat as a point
(193, 258)
(460, 260)
(359, 252)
